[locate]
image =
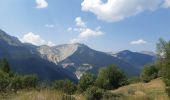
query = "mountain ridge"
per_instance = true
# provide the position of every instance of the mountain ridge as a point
(72, 59)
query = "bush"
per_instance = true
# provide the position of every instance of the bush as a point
(94, 93)
(4, 65)
(11, 81)
(65, 86)
(4, 81)
(29, 81)
(85, 81)
(16, 83)
(163, 55)
(148, 73)
(23, 82)
(110, 78)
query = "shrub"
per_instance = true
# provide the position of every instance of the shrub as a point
(29, 81)
(148, 73)
(65, 86)
(4, 81)
(85, 81)
(23, 82)
(94, 93)
(11, 81)
(163, 53)
(4, 65)
(110, 78)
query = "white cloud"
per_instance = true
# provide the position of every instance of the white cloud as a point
(87, 32)
(80, 22)
(35, 40)
(49, 26)
(138, 42)
(41, 3)
(84, 31)
(117, 10)
(166, 4)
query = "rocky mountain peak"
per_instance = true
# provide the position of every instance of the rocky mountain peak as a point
(58, 53)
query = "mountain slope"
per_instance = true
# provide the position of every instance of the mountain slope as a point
(25, 59)
(66, 61)
(79, 58)
(154, 90)
(136, 59)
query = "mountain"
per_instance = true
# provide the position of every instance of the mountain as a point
(79, 58)
(67, 60)
(25, 59)
(10, 40)
(148, 53)
(137, 59)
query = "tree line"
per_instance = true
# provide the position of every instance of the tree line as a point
(10, 81)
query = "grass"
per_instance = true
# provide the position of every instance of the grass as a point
(45, 94)
(154, 90)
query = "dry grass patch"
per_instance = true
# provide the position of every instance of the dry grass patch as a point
(154, 90)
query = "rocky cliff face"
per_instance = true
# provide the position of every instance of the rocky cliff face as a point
(57, 53)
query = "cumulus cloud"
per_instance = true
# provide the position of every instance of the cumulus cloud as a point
(117, 10)
(87, 32)
(35, 40)
(41, 3)
(79, 22)
(166, 4)
(84, 31)
(138, 42)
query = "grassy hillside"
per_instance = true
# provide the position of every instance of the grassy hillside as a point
(154, 90)
(45, 94)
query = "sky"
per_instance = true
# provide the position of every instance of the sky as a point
(105, 25)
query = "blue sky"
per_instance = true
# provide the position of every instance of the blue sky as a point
(107, 25)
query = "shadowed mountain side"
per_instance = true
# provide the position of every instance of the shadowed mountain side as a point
(85, 55)
(25, 59)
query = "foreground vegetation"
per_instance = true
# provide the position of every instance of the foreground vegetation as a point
(154, 90)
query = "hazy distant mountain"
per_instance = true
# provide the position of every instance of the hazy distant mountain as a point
(25, 59)
(135, 58)
(148, 53)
